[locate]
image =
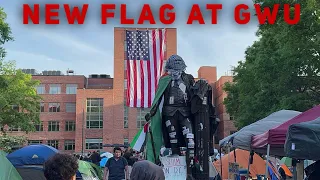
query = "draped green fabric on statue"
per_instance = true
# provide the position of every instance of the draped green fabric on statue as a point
(155, 122)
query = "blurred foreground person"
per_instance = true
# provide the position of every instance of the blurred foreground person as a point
(61, 166)
(146, 170)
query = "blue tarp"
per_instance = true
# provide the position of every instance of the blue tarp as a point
(31, 155)
(272, 174)
(103, 162)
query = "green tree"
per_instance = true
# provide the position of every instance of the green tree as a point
(8, 143)
(281, 70)
(19, 102)
(5, 30)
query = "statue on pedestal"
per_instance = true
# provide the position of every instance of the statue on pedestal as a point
(171, 120)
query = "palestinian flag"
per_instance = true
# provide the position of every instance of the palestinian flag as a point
(140, 137)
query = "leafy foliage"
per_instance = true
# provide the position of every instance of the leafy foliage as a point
(5, 32)
(19, 91)
(281, 70)
(16, 89)
(7, 143)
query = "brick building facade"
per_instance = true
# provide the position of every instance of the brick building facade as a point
(81, 113)
(226, 126)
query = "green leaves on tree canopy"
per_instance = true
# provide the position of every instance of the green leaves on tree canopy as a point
(8, 143)
(5, 32)
(19, 91)
(281, 70)
(16, 90)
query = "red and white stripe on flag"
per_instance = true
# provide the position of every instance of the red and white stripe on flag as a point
(144, 58)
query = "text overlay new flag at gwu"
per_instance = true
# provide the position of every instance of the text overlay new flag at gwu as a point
(144, 58)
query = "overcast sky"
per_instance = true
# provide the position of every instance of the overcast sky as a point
(88, 49)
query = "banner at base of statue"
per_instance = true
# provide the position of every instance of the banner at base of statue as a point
(174, 167)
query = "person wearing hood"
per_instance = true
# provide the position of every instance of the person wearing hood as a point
(146, 170)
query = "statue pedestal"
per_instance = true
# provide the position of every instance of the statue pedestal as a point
(174, 167)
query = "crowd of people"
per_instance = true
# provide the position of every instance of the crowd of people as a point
(64, 166)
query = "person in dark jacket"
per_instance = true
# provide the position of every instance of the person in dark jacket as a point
(128, 155)
(146, 170)
(95, 158)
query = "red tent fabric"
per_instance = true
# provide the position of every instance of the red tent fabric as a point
(276, 137)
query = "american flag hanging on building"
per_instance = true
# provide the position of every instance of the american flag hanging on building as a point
(145, 56)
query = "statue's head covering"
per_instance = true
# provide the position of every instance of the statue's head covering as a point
(175, 66)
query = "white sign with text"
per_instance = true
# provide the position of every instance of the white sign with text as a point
(174, 168)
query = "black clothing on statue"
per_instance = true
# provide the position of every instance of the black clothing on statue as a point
(176, 124)
(182, 107)
(177, 96)
(176, 120)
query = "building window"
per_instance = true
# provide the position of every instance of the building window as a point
(141, 113)
(55, 89)
(53, 143)
(41, 89)
(69, 145)
(70, 107)
(54, 107)
(41, 107)
(70, 126)
(94, 113)
(53, 126)
(39, 127)
(231, 118)
(125, 141)
(71, 88)
(34, 142)
(126, 116)
(93, 143)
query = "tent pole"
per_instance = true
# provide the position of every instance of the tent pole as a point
(250, 161)
(248, 167)
(267, 161)
(294, 164)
